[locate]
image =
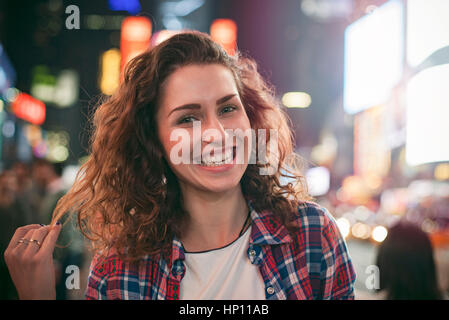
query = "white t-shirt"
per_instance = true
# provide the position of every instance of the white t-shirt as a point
(222, 274)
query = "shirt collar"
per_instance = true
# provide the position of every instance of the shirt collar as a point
(266, 230)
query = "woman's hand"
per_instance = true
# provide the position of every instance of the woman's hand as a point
(29, 257)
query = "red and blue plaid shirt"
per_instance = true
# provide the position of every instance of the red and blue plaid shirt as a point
(312, 263)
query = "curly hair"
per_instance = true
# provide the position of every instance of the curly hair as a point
(126, 197)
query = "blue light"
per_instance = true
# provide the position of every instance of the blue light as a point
(132, 6)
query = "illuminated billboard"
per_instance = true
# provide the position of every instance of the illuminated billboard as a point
(374, 51)
(427, 28)
(427, 100)
(29, 109)
(318, 181)
(224, 32)
(135, 38)
(371, 152)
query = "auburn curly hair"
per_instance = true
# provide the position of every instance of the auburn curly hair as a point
(126, 197)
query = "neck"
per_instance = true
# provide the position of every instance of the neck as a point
(214, 219)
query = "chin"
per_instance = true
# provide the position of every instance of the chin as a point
(219, 187)
(213, 181)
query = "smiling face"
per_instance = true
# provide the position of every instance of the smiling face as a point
(208, 94)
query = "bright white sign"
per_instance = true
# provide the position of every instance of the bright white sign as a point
(427, 28)
(373, 57)
(318, 181)
(428, 116)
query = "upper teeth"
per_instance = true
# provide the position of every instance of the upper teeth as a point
(208, 159)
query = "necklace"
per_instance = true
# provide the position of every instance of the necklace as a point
(242, 231)
(244, 224)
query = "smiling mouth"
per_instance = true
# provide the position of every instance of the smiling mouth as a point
(224, 158)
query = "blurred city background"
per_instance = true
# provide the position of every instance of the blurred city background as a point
(365, 82)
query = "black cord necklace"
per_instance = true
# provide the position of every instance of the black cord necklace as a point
(240, 234)
(244, 224)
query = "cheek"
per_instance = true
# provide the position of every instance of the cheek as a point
(176, 150)
(240, 121)
(167, 146)
(164, 139)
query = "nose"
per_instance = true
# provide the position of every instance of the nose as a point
(213, 131)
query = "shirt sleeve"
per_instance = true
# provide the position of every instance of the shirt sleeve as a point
(97, 280)
(337, 272)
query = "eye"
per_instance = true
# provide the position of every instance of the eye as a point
(228, 109)
(186, 119)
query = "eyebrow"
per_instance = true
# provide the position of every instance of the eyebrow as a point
(197, 106)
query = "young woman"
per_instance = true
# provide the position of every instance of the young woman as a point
(214, 228)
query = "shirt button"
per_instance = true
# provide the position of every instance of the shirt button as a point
(270, 290)
(252, 253)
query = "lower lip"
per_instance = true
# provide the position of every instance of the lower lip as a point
(221, 168)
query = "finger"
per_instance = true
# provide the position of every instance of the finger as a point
(48, 244)
(36, 240)
(20, 233)
(22, 246)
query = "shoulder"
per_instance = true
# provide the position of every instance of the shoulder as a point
(311, 217)
(336, 272)
(319, 232)
(314, 229)
(321, 226)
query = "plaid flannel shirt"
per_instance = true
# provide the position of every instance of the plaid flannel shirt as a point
(312, 263)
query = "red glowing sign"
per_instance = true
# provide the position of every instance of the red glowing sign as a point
(135, 38)
(224, 32)
(29, 109)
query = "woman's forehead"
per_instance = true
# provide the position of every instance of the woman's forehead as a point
(197, 84)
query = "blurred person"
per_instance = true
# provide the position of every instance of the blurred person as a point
(49, 183)
(12, 215)
(406, 265)
(26, 191)
(48, 177)
(23, 176)
(12, 209)
(8, 188)
(207, 230)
